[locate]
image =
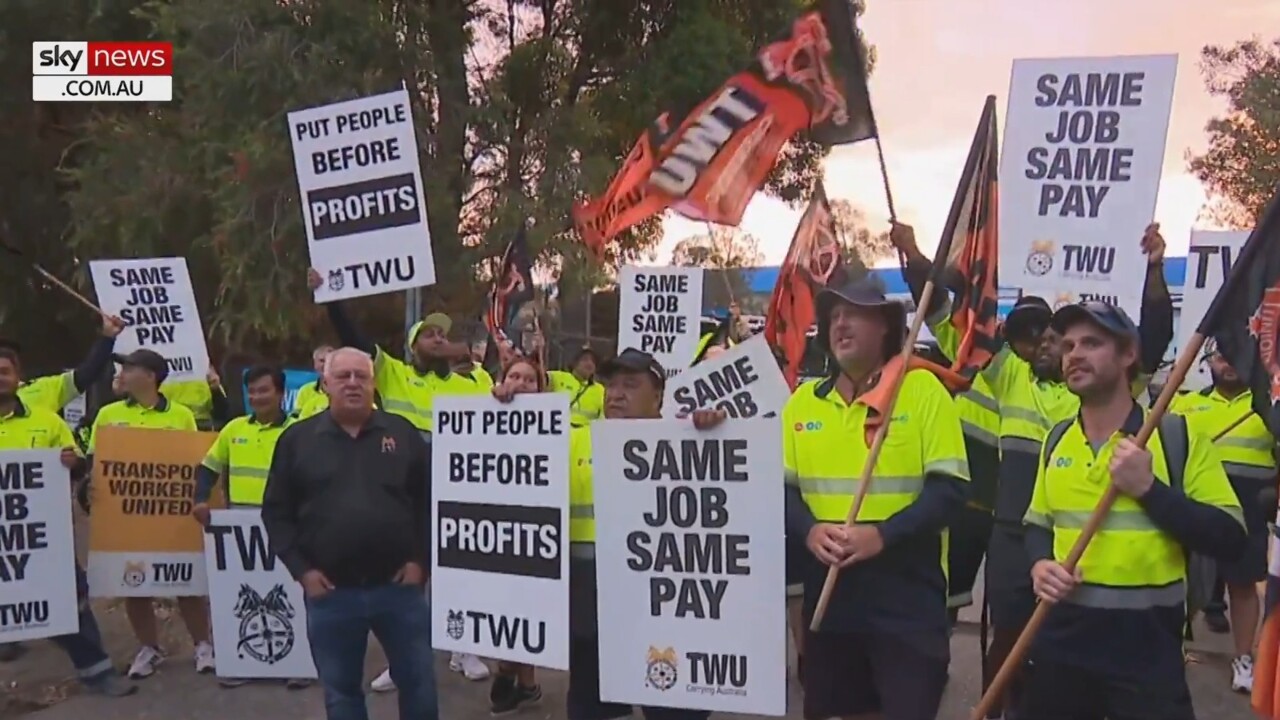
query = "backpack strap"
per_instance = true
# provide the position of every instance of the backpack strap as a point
(1054, 437)
(1175, 443)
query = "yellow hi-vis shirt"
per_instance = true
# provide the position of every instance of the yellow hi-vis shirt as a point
(243, 450)
(1028, 409)
(34, 428)
(310, 400)
(980, 419)
(196, 395)
(1246, 451)
(1129, 609)
(582, 508)
(51, 392)
(410, 394)
(586, 400)
(165, 415)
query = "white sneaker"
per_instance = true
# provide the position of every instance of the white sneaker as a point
(1242, 674)
(145, 662)
(204, 658)
(471, 667)
(383, 683)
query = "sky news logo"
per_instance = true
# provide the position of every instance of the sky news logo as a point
(101, 71)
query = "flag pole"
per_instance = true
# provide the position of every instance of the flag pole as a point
(1186, 359)
(50, 277)
(873, 455)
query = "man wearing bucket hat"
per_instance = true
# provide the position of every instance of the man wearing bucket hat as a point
(409, 389)
(1025, 379)
(883, 646)
(586, 394)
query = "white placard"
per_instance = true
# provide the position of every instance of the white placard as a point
(1083, 149)
(500, 528)
(154, 297)
(689, 557)
(73, 411)
(362, 200)
(744, 381)
(1209, 258)
(258, 611)
(37, 547)
(660, 312)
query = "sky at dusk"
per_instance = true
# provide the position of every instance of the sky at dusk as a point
(938, 60)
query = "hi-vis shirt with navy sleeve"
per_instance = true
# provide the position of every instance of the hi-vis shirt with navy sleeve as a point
(243, 450)
(34, 428)
(825, 446)
(1246, 449)
(51, 392)
(411, 394)
(1130, 605)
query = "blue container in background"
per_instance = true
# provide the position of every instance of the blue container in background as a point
(294, 380)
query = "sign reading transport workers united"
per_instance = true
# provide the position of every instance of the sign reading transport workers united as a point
(155, 299)
(37, 547)
(1083, 149)
(362, 197)
(63, 71)
(143, 541)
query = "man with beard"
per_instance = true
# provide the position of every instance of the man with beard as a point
(883, 647)
(1025, 380)
(1112, 647)
(1247, 457)
(409, 390)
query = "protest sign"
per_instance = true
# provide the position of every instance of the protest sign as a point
(1083, 149)
(154, 297)
(500, 528)
(143, 541)
(73, 412)
(1209, 258)
(659, 312)
(744, 381)
(259, 616)
(689, 550)
(362, 198)
(37, 547)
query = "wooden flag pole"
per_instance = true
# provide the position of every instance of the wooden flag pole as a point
(1186, 359)
(67, 289)
(873, 455)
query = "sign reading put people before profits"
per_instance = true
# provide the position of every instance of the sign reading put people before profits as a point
(688, 550)
(499, 526)
(37, 548)
(744, 381)
(362, 199)
(660, 312)
(259, 616)
(1083, 149)
(154, 298)
(1209, 259)
(142, 540)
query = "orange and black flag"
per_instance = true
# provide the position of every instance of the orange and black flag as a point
(512, 287)
(966, 260)
(708, 161)
(813, 261)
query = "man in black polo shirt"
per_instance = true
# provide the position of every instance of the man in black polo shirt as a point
(345, 509)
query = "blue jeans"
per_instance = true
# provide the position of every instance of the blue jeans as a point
(338, 626)
(85, 647)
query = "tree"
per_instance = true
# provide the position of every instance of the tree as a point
(724, 253)
(1242, 164)
(860, 247)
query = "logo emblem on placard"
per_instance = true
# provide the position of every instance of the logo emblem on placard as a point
(1040, 261)
(661, 669)
(266, 627)
(1264, 326)
(455, 624)
(337, 280)
(135, 574)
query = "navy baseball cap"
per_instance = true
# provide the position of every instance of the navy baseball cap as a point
(1105, 315)
(633, 360)
(1028, 318)
(147, 360)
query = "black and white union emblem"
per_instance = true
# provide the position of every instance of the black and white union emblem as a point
(337, 280)
(266, 630)
(455, 624)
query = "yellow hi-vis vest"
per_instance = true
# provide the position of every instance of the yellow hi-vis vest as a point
(1130, 564)
(825, 446)
(410, 394)
(582, 508)
(51, 392)
(243, 450)
(980, 419)
(586, 400)
(1246, 451)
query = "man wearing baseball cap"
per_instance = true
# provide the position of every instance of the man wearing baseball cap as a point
(1026, 382)
(1112, 646)
(883, 647)
(586, 394)
(144, 406)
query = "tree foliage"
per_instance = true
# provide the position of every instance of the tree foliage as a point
(859, 246)
(724, 252)
(520, 107)
(1242, 164)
